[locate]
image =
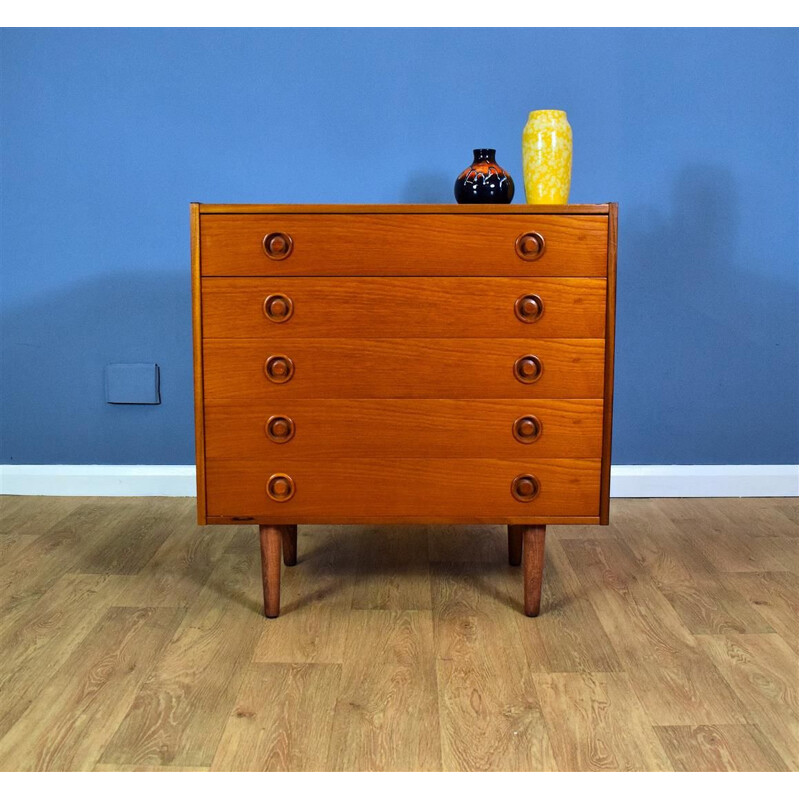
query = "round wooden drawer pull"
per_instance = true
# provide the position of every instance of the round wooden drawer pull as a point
(524, 488)
(278, 245)
(529, 307)
(527, 429)
(279, 369)
(528, 369)
(278, 308)
(530, 246)
(280, 429)
(280, 487)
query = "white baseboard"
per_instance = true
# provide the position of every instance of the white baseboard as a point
(693, 480)
(98, 480)
(705, 480)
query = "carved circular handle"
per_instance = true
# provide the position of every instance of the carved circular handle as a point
(528, 369)
(278, 245)
(525, 488)
(529, 307)
(280, 429)
(280, 487)
(279, 369)
(278, 308)
(527, 429)
(530, 246)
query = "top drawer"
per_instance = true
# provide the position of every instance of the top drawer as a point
(403, 244)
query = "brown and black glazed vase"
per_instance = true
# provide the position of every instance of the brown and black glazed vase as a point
(484, 181)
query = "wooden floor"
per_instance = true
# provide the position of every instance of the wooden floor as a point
(131, 639)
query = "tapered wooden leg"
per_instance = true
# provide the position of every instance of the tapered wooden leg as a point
(271, 568)
(533, 566)
(289, 544)
(515, 544)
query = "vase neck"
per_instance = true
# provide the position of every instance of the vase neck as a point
(550, 114)
(483, 155)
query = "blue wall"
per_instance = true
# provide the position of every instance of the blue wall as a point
(108, 134)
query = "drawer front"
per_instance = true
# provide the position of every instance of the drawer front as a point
(403, 244)
(235, 369)
(354, 489)
(288, 308)
(307, 429)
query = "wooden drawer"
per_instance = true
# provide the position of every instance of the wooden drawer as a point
(326, 429)
(376, 489)
(234, 369)
(287, 308)
(402, 244)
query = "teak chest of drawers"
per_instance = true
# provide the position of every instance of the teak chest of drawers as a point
(415, 364)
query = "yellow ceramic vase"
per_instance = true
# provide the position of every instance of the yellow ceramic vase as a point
(547, 157)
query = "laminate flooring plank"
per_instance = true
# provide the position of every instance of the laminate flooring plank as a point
(76, 713)
(762, 670)
(758, 516)
(393, 572)
(181, 710)
(595, 722)
(719, 748)
(145, 768)
(45, 637)
(282, 718)
(725, 543)
(32, 570)
(775, 596)
(567, 636)
(33, 515)
(181, 566)
(386, 716)
(486, 544)
(674, 679)
(141, 527)
(490, 715)
(316, 598)
(699, 594)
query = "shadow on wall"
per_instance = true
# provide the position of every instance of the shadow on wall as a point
(54, 353)
(706, 333)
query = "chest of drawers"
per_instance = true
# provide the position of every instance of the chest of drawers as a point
(414, 364)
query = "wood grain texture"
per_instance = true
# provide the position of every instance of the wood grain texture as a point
(762, 670)
(393, 573)
(569, 636)
(435, 368)
(683, 575)
(726, 543)
(386, 716)
(595, 722)
(46, 635)
(90, 694)
(403, 308)
(773, 596)
(316, 596)
(197, 361)
(608, 387)
(371, 487)
(281, 721)
(608, 622)
(719, 748)
(384, 244)
(675, 681)
(181, 710)
(490, 715)
(430, 428)
(533, 542)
